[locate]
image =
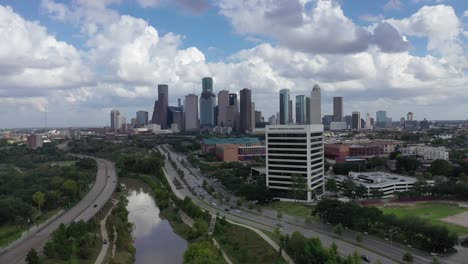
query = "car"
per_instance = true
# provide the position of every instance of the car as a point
(365, 258)
(105, 241)
(225, 209)
(95, 205)
(214, 204)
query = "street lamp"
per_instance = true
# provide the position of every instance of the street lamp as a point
(391, 236)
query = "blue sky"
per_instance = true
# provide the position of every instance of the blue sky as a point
(376, 53)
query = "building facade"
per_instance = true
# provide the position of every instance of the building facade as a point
(301, 113)
(245, 110)
(427, 153)
(316, 105)
(294, 151)
(356, 121)
(141, 118)
(34, 141)
(191, 113)
(284, 106)
(223, 103)
(115, 119)
(207, 103)
(160, 107)
(337, 109)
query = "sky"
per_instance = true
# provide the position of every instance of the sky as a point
(78, 59)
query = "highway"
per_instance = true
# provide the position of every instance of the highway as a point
(101, 191)
(373, 247)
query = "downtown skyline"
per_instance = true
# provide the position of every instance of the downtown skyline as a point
(71, 74)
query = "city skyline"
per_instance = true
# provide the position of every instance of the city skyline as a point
(87, 59)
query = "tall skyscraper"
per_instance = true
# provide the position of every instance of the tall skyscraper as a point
(301, 112)
(337, 109)
(115, 119)
(191, 112)
(356, 121)
(284, 106)
(315, 105)
(223, 103)
(409, 116)
(179, 103)
(207, 103)
(245, 110)
(142, 118)
(307, 110)
(160, 106)
(252, 116)
(290, 112)
(233, 100)
(381, 118)
(232, 112)
(368, 121)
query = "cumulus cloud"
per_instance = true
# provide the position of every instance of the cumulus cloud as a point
(196, 6)
(393, 5)
(321, 29)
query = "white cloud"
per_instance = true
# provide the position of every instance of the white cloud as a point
(372, 18)
(393, 5)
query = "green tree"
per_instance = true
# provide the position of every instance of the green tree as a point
(440, 167)
(203, 252)
(408, 257)
(435, 260)
(331, 186)
(299, 185)
(70, 188)
(32, 257)
(359, 238)
(338, 229)
(39, 199)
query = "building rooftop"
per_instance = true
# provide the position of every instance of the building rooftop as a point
(243, 140)
(377, 178)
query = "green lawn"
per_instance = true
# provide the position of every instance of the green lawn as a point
(245, 246)
(9, 233)
(433, 212)
(65, 163)
(293, 208)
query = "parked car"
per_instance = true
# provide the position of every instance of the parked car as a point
(365, 258)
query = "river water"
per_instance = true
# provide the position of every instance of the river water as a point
(154, 239)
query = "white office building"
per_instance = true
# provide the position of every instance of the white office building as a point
(294, 151)
(427, 153)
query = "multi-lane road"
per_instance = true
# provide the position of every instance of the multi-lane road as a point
(374, 248)
(101, 191)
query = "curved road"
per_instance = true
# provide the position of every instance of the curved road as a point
(101, 191)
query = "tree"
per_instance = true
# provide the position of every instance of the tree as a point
(203, 252)
(331, 186)
(338, 229)
(39, 199)
(359, 238)
(32, 257)
(376, 194)
(435, 260)
(408, 257)
(440, 168)
(279, 215)
(299, 185)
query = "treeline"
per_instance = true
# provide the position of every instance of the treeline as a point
(453, 189)
(77, 240)
(310, 250)
(119, 220)
(27, 158)
(415, 231)
(26, 193)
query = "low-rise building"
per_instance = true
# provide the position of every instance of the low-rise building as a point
(34, 141)
(209, 144)
(227, 152)
(427, 153)
(246, 148)
(387, 183)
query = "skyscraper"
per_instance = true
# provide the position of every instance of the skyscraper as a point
(115, 119)
(307, 110)
(252, 116)
(284, 106)
(381, 118)
(368, 121)
(356, 121)
(315, 105)
(207, 103)
(290, 112)
(191, 112)
(337, 109)
(223, 103)
(301, 113)
(409, 116)
(233, 100)
(245, 110)
(142, 118)
(232, 112)
(160, 106)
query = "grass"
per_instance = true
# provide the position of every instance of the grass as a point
(292, 208)
(65, 163)
(433, 212)
(245, 246)
(9, 233)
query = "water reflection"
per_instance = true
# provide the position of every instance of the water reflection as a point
(155, 242)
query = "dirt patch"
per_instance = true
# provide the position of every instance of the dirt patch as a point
(458, 219)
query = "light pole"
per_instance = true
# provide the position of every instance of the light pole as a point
(391, 236)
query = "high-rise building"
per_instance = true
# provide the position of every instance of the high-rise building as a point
(245, 110)
(294, 151)
(381, 118)
(409, 116)
(34, 141)
(252, 116)
(315, 105)
(349, 120)
(207, 103)
(115, 119)
(356, 121)
(232, 113)
(301, 113)
(160, 106)
(191, 112)
(290, 112)
(123, 123)
(272, 120)
(233, 100)
(258, 117)
(284, 106)
(368, 121)
(337, 109)
(179, 103)
(326, 120)
(142, 118)
(307, 110)
(223, 103)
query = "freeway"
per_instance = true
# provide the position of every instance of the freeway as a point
(374, 248)
(101, 191)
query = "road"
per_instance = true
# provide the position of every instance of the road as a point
(101, 191)
(373, 247)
